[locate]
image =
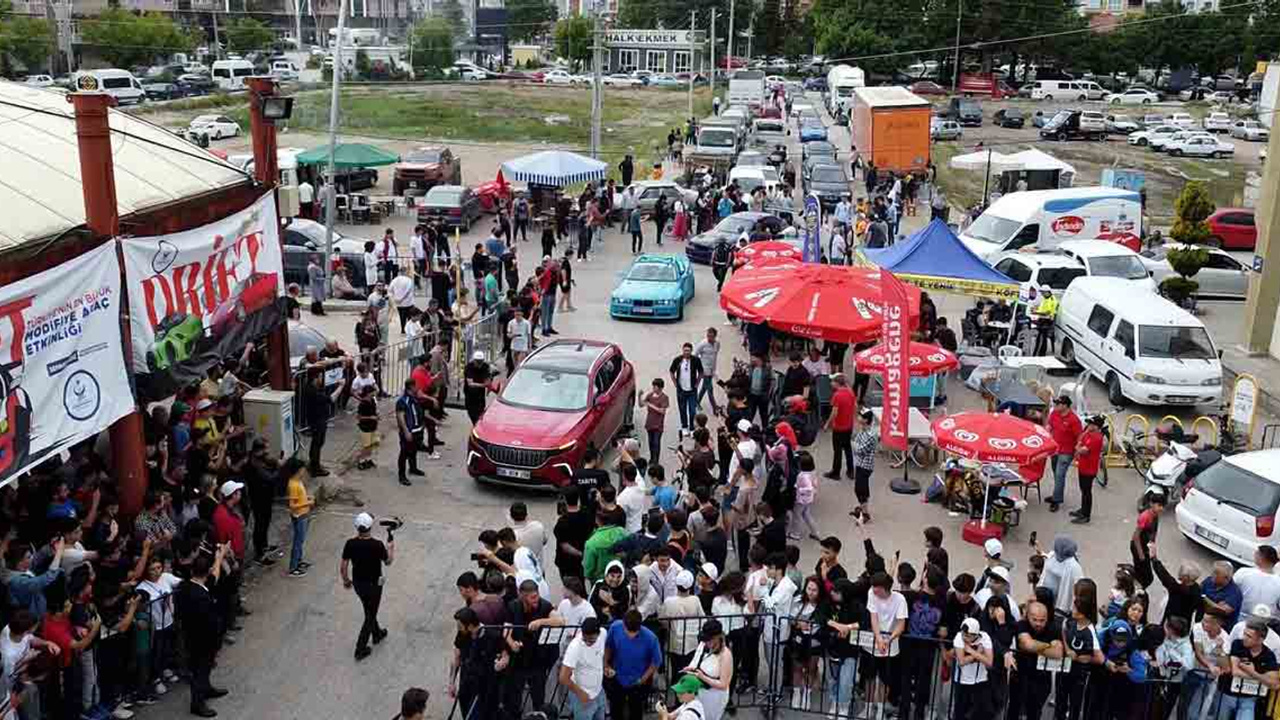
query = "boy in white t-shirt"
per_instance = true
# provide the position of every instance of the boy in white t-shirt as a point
(974, 655)
(888, 611)
(582, 672)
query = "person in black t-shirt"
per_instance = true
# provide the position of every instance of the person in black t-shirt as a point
(1254, 672)
(367, 424)
(589, 478)
(796, 380)
(573, 528)
(362, 559)
(959, 604)
(477, 377)
(530, 659)
(480, 654)
(1037, 635)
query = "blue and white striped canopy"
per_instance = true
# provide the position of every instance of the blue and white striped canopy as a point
(556, 168)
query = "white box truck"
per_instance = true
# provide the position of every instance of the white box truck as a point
(1046, 218)
(841, 81)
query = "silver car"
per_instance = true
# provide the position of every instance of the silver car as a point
(1222, 277)
(648, 192)
(940, 129)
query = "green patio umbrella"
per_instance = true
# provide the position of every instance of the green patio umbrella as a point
(349, 155)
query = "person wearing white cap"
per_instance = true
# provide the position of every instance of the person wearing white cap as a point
(683, 614)
(998, 585)
(974, 656)
(478, 379)
(228, 527)
(362, 559)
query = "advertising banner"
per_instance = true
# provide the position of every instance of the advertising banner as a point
(199, 296)
(813, 229)
(897, 366)
(62, 374)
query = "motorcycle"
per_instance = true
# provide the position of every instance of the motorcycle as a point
(1166, 474)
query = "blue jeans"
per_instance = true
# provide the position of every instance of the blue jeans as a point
(1061, 464)
(708, 389)
(840, 681)
(1231, 707)
(687, 401)
(655, 445)
(1196, 686)
(592, 710)
(299, 539)
(548, 309)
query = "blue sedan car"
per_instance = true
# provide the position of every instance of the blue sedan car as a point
(811, 131)
(655, 286)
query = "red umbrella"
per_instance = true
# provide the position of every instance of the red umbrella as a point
(766, 252)
(993, 437)
(925, 359)
(830, 302)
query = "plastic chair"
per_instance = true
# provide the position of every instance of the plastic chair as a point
(1008, 351)
(342, 206)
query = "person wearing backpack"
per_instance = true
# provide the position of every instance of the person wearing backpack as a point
(920, 647)
(721, 259)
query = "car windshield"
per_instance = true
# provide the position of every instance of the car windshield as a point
(1059, 278)
(827, 174)
(992, 229)
(748, 183)
(303, 336)
(1174, 342)
(1238, 488)
(769, 127)
(442, 196)
(423, 156)
(546, 388)
(1013, 113)
(652, 272)
(717, 138)
(1121, 266)
(734, 226)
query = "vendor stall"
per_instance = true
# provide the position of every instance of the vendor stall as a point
(933, 258)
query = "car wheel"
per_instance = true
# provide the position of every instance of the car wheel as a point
(1217, 156)
(1146, 101)
(1048, 98)
(1143, 141)
(1060, 137)
(1114, 395)
(1067, 353)
(1175, 152)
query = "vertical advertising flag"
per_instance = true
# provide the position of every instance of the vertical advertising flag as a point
(894, 423)
(812, 229)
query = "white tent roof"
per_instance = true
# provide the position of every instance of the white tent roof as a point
(1026, 160)
(978, 160)
(40, 186)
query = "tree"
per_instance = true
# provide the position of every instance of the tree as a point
(27, 40)
(246, 35)
(452, 12)
(1193, 206)
(530, 19)
(432, 45)
(573, 39)
(125, 39)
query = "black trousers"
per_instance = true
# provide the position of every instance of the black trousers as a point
(201, 665)
(403, 312)
(1028, 695)
(720, 272)
(317, 307)
(841, 450)
(626, 703)
(742, 542)
(1086, 495)
(917, 669)
(637, 241)
(972, 702)
(534, 678)
(370, 595)
(862, 485)
(262, 501)
(408, 455)
(1072, 689)
(759, 404)
(474, 400)
(522, 229)
(317, 444)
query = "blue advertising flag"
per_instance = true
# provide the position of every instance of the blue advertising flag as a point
(813, 229)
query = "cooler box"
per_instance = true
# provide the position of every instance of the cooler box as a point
(269, 415)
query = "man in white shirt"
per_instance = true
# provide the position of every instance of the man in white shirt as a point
(663, 573)
(370, 259)
(746, 448)
(1257, 612)
(1260, 585)
(529, 533)
(418, 247)
(888, 611)
(708, 352)
(633, 499)
(778, 600)
(974, 655)
(401, 291)
(815, 363)
(582, 672)
(306, 199)
(518, 330)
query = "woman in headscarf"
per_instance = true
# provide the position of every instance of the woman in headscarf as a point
(780, 492)
(712, 663)
(997, 621)
(838, 622)
(1061, 571)
(611, 598)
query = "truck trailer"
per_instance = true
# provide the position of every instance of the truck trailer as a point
(890, 128)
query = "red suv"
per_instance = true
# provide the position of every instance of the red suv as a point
(565, 396)
(1232, 229)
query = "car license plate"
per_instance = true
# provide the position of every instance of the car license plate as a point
(513, 473)
(1180, 399)
(642, 310)
(1212, 537)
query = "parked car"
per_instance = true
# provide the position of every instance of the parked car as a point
(648, 191)
(1250, 130)
(215, 127)
(561, 77)
(1217, 122)
(666, 80)
(1202, 144)
(1222, 277)
(1222, 97)
(1103, 258)
(426, 167)
(654, 287)
(728, 230)
(303, 238)
(1024, 91)
(1182, 120)
(1232, 229)
(193, 84)
(566, 396)
(1230, 507)
(455, 205)
(347, 180)
(1161, 143)
(622, 80)
(43, 81)
(940, 129)
(927, 87)
(161, 91)
(1144, 137)
(1074, 124)
(1039, 270)
(815, 84)
(963, 110)
(1009, 118)
(1150, 120)
(1133, 96)
(1121, 125)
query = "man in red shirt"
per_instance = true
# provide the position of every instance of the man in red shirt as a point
(1088, 460)
(844, 405)
(228, 529)
(547, 286)
(1065, 427)
(431, 400)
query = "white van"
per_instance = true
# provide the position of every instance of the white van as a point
(230, 74)
(284, 69)
(1067, 90)
(1142, 347)
(120, 84)
(1045, 218)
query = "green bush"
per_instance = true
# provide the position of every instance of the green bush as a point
(314, 62)
(1179, 289)
(1187, 261)
(1193, 206)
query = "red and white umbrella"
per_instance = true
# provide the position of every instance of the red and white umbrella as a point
(994, 438)
(924, 359)
(828, 302)
(766, 252)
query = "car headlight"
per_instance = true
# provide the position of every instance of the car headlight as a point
(668, 301)
(1152, 379)
(567, 446)
(1212, 381)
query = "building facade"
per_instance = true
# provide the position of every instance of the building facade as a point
(657, 51)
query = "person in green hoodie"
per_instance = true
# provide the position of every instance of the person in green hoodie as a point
(599, 548)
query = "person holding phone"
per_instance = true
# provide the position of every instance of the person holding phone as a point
(686, 692)
(362, 559)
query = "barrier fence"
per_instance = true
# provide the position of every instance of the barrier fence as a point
(794, 668)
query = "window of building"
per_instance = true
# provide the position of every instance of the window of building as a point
(655, 61)
(628, 60)
(683, 61)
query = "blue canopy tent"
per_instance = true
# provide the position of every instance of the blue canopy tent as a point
(554, 168)
(933, 258)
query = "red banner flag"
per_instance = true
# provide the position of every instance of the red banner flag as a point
(895, 336)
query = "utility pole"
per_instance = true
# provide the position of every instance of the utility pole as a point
(713, 56)
(330, 199)
(728, 55)
(751, 35)
(955, 65)
(297, 22)
(597, 89)
(217, 46)
(693, 31)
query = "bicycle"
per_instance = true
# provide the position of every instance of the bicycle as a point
(1137, 453)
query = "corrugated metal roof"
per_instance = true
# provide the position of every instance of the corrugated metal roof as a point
(40, 187)
(890, 96)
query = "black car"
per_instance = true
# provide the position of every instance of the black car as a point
(1009, 118)
(727, 230)
(192, 85)
(161, 91)
(304, 239)
(829, 182)
(817, 148)
(815, 84)
(965, 111)
(454, 205)
(352, 179)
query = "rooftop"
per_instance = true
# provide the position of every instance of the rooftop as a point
(41, 189)
(890, 96)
